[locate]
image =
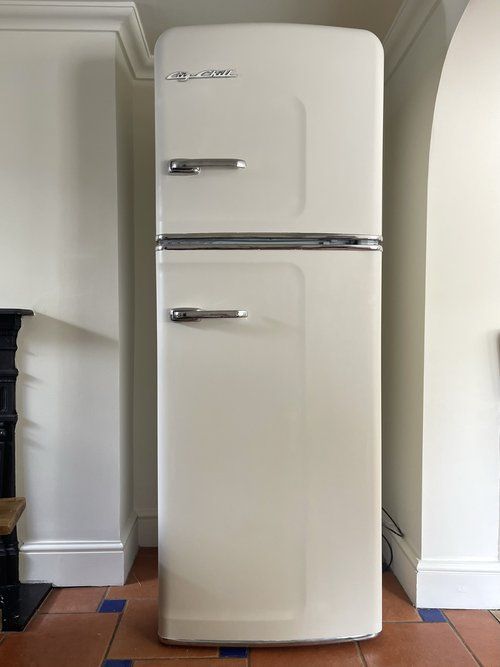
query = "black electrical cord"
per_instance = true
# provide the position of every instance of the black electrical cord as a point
(395, 530)
(386, 564)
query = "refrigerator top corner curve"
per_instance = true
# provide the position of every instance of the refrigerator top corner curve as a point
(256, 135)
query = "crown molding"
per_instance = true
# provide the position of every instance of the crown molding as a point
(121, 18)
(408, 23)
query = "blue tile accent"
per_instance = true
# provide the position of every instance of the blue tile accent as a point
(431, 616)
(117, 663)
(233, 652)
(112, 606)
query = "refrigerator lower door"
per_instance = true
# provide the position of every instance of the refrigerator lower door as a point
(269, 446)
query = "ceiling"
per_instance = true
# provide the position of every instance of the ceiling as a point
(374, 15)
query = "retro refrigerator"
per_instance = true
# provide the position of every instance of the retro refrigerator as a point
(268, 159)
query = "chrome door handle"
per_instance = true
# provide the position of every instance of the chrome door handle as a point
(197, 314)
(182, 165)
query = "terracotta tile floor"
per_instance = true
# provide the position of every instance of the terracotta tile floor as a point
(116, 627)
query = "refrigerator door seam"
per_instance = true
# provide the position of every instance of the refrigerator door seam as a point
(268, 242)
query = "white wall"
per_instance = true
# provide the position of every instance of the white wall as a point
(409, 107)
(441, 308)
(65, 197)
(462, 330)
(73, 120)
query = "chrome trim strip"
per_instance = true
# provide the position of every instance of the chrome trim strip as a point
(292, 642)
(268, 242)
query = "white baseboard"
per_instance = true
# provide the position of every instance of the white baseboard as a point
(458, 584)
(130, 541)
(80, 563)
(148, 528)
(442, 584)
(404, 566)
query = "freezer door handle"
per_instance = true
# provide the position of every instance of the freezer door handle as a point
(198, 314)
(182, 165)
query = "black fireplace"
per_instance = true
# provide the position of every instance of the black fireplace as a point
(18, 601)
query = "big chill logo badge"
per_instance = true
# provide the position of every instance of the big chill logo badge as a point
(204, 74)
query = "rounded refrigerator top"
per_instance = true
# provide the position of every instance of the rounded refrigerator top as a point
(268, 128)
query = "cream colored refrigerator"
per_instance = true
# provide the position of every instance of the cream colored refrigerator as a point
(268, 149)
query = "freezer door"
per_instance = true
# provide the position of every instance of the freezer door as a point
(268, 128)
(269, 446)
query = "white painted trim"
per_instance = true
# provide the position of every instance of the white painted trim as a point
(460, 567)
(148, 527)
(458, 584)
(130, 541)
(80, 563)
(77, 567)
(446, 584)
(121, 18)
(70, 546)
(405, 28)
(404, 565)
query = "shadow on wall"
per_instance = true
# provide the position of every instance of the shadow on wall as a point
(68, 391)
(56, 398)
(145, 400)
